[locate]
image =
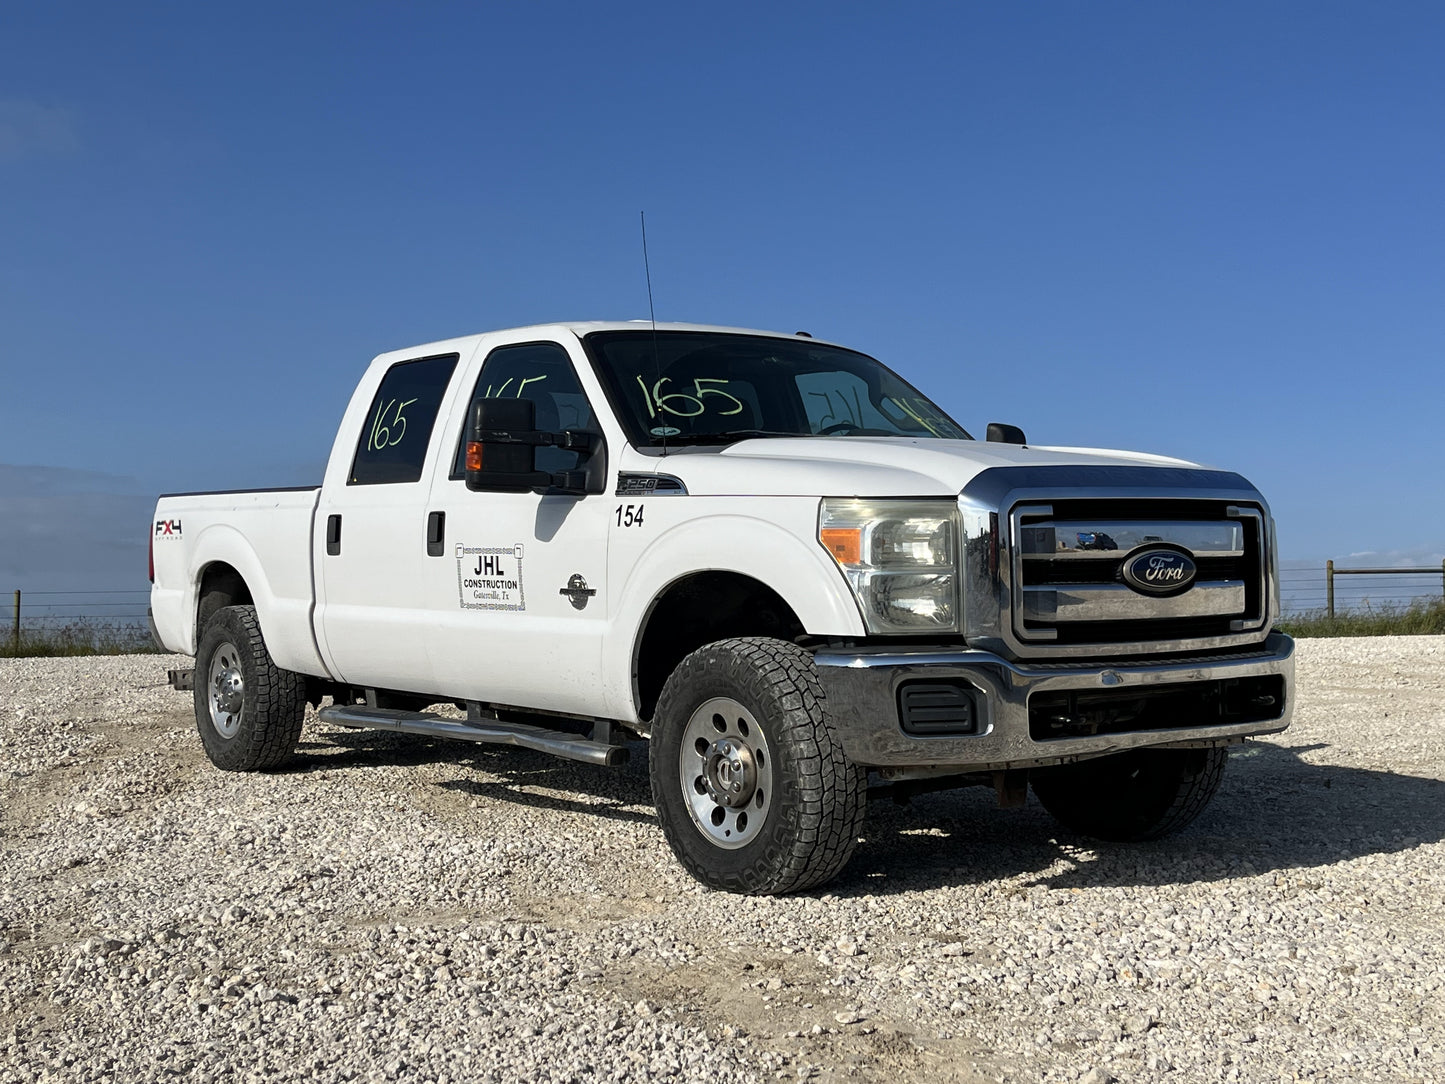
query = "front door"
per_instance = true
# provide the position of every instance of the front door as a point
(519, 594)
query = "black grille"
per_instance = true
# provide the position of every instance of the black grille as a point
(1054, 716)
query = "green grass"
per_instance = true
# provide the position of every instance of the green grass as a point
(84, 636)
(1389, 619)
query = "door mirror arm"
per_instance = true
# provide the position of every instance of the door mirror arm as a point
(591, 473)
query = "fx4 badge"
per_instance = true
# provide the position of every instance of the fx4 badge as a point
(577, 591)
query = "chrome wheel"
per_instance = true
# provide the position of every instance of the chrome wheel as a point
(226, 689)
(725, 767)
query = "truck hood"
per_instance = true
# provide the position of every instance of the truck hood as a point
(869, 466)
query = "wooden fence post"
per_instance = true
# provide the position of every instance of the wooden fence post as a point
(17, 621)
(1330, 589)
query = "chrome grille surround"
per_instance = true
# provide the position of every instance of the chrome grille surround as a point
(1025, 597)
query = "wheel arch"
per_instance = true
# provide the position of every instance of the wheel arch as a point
(774, 560)
(698, 608)
(228, 568)
(219, 584)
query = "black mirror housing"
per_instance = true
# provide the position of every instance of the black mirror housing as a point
(999, 433)
(502, 446)
(502, 452)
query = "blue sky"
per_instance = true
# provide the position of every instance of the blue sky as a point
(1214, 231)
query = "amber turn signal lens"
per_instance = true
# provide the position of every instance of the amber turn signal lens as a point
(474, 455)
(844, 543)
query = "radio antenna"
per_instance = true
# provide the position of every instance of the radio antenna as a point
(652, 313)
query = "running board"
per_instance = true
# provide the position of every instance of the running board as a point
(493, 732)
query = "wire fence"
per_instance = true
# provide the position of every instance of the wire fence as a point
(1334, 590)
(77, 621)
(39, 608)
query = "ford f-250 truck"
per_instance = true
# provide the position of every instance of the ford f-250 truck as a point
(769, 555)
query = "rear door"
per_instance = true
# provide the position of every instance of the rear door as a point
(371, 539)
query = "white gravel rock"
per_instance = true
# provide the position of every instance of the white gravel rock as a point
(390, 908)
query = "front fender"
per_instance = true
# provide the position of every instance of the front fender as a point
(778, 549)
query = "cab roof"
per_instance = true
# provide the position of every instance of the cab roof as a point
(581, 328)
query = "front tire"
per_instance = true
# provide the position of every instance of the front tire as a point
(751, 785)
(248, 710)
(1128, 797)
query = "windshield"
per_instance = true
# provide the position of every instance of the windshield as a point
(679, 388)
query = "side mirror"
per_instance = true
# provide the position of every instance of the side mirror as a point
(502, 445)
(998, 433)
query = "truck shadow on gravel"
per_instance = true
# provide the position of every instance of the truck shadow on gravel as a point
(366, 749)
(619, 793)
(1276, 811)
(624, 800)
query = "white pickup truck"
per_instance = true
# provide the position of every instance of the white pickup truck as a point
(769, 555)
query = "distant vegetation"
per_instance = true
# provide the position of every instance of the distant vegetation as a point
(1389, 619)
(83, 636)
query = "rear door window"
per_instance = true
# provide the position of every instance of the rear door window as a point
(398, 427)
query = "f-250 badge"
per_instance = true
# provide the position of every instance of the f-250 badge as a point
(577, 591)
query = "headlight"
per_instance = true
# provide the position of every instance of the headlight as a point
(900, 558)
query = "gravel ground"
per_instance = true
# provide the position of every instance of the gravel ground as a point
(393, 908)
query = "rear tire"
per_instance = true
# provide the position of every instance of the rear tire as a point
(751, 785)
(1126, 797)
(248, 710)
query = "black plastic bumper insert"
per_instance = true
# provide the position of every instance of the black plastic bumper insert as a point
(935, 708)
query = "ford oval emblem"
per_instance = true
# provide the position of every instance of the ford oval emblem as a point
(1157, 570)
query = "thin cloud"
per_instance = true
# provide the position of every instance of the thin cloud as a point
(31, 130)
(63, 529)
(18, 480)
(1423, 556)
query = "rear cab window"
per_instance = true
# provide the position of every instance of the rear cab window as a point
(397, 430)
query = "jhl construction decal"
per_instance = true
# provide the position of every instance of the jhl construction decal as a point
(490, 577)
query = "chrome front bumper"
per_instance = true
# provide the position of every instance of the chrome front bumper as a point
(863, 690)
